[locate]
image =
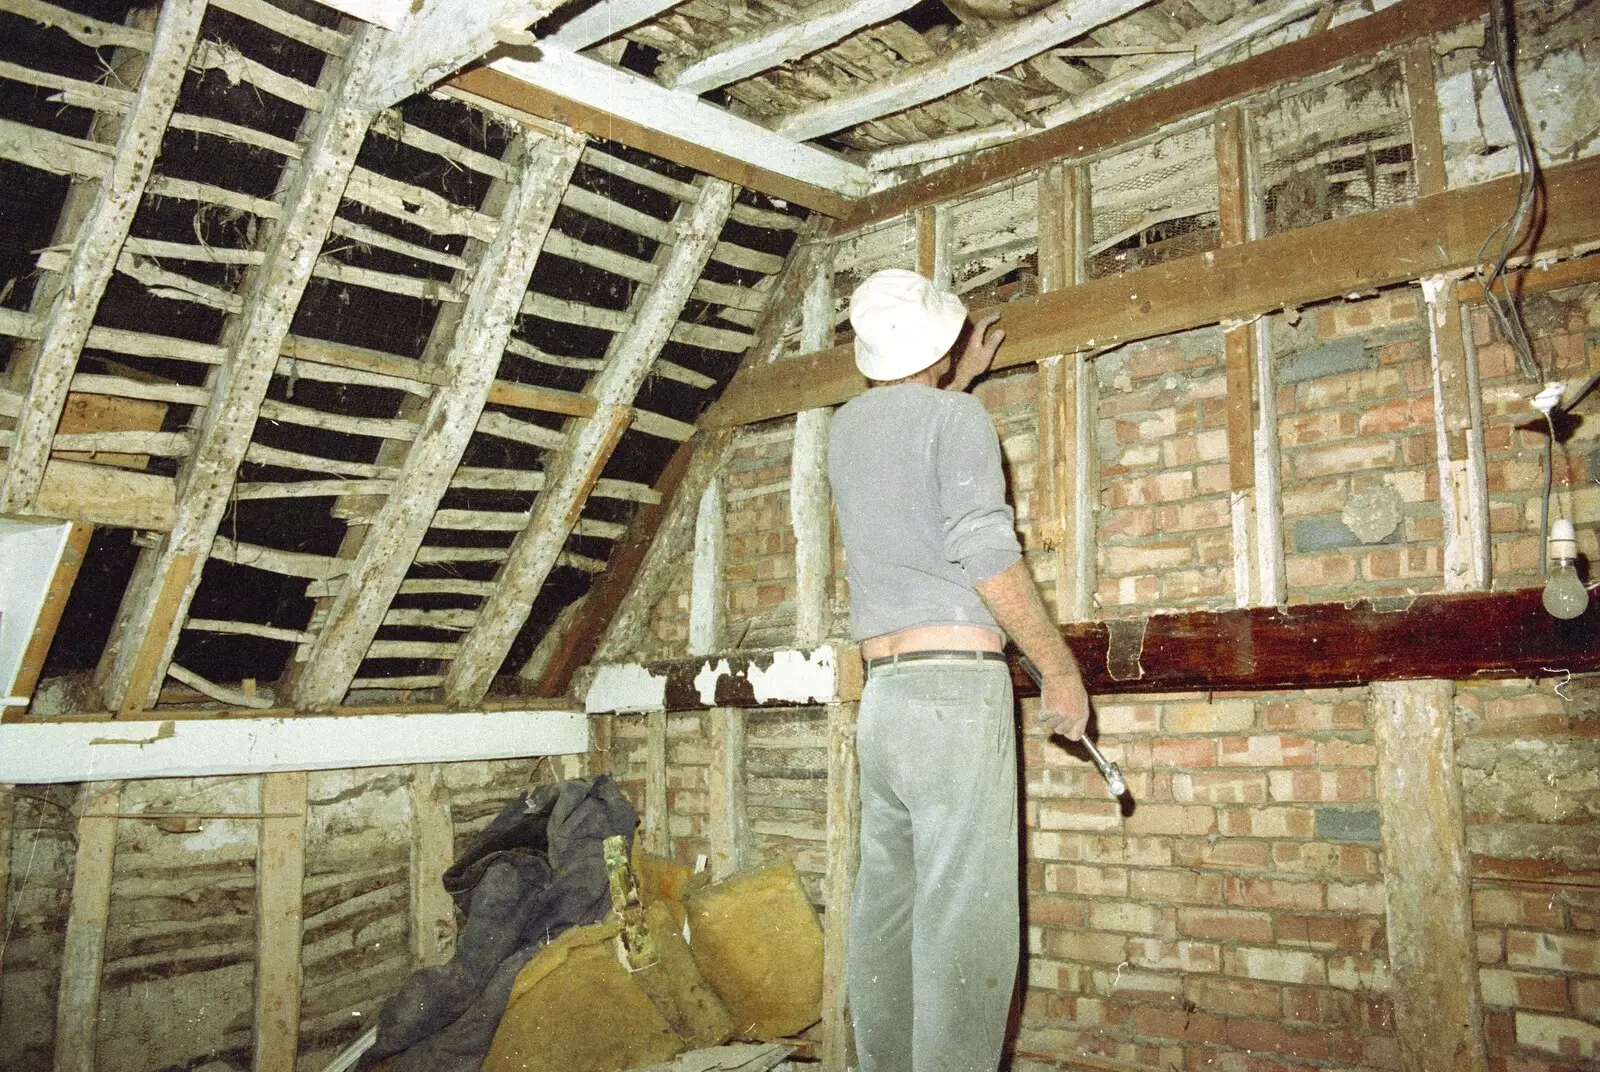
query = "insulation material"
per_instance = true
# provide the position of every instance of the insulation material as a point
(757, 941)
(1153, 202)
(576, 1008)
(1336, 150)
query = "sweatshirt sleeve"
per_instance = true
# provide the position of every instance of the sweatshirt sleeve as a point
(979, 527)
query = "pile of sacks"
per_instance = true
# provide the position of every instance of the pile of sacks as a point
(547, 977)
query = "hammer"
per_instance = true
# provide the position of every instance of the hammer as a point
(1108, 770)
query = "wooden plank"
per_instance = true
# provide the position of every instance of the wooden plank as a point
(918, 83)
(725, 793)
(708, 595)
(605, 19)
(556, 510)
(844, 856)
(1427, 880)
(503, 268)
(433, 913)
(309, 192)
(1574, 272)
(103, 495)
(1355, 254)
(83, 953)
(774, 44)
(44, 369)
(55, 602)
(591, 99)
(1358, 40)
(644, 561)
(280, 883)
(655, 829)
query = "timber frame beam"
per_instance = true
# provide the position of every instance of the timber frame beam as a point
(1439, 235)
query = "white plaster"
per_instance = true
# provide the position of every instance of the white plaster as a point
(706, 681)
(1559, 91)
(797, 676)
(625, 687)
(31, 552)
(103, 751)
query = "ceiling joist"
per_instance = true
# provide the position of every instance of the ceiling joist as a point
(605, 20)
(440, 37)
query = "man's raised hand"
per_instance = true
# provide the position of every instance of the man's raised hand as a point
(982, 342)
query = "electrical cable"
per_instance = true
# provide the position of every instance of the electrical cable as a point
(1530, 195)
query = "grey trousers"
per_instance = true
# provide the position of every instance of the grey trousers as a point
(934, 929)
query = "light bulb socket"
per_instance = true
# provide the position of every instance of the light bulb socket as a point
(1563, 545)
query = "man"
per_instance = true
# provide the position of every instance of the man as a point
(936, 583)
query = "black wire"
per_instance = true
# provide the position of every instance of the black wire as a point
(1530, 195)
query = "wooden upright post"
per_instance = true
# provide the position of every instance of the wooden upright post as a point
(808, 481)
(1427, 879)
(280, 895)
(78, 1005)
(844, 855)
(657, 836)
(433, 914)
(725, 794)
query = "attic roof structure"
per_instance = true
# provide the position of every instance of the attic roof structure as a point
(364, 334)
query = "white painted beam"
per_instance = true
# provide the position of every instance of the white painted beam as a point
(38, 752)
(1269, 16)
(439, 37)
(683, 116)
(607, 19)
(556, 510)
(923, 82)
(500, 281)
(70, 312)
(823, 25)
(167, 577)
(390, 14)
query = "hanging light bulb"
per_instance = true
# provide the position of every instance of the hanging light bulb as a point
(1564, 593)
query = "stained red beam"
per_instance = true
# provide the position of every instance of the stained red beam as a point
(1459, 636)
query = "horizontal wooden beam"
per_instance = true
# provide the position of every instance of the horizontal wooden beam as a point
(105, 495)
(1463, 636)
(1396, 25)
(697, 134)
(40, 751)
(1354, 255)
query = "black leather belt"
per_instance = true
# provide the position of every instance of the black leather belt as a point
(936, 655)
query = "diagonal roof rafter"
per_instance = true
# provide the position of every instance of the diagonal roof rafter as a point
(49, 364)
(167, 576)
(573, 474)
(502, 274)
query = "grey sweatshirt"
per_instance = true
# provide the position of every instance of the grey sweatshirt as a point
(921, 502)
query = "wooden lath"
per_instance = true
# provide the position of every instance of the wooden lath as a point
(500, 281)
(165, 581)
(534, 552)
(45, 368)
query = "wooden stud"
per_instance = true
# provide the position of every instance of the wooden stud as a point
(280, 886)
(83, 955)
(844, 853)
(309, 192)
(725, 796)
(809, 510)
(708, 596)
(1427, 878)
(1309, 264)
(45, 369)
(433, 913)
(628, 361)
(503, 268)
(656, 832)
(1427, 138)
(437, 39)
(1125, 119)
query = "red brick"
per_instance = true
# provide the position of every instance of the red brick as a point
(1260, 1035)
(1175, 887)
(1275, 893)
(1226, 853)
(1345, 933)
(1048, 911)
(1086, 881)
(1397, 414)
(1265, 751)
(1275, 965)
(1225, 925)
(1193, 957)
(1185, 752)
(1556, 952)
(1315, 1006)
(1516, 907)
(1175, 819)
(1220, 787)
(1350, 784)
(1268, 822)
(1179, 1024)
(1324, 858)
